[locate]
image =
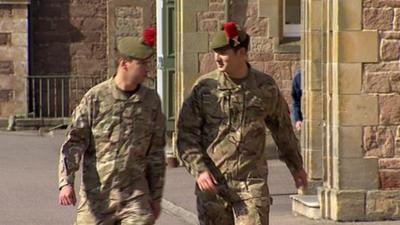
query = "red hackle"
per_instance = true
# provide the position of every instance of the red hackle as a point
(149, 36)
(231, 30)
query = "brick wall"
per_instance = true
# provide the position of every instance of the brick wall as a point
(383, 79)
(13, 59)
(281, 66)
(69, 37)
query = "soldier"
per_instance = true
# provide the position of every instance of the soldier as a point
(221, 135)
(119, 130)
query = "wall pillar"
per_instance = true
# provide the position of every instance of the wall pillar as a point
(313, 140)
(348, 175)
(13, 57)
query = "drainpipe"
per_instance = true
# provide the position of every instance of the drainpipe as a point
(160, 48)
(226, 9)
(30, 58)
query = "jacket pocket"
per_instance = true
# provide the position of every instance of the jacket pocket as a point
(255, 110)
(213, 110)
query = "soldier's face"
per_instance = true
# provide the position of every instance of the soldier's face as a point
(228, 61)
(136, 71)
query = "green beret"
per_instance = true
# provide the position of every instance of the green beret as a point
(135, 48)
(221, 40)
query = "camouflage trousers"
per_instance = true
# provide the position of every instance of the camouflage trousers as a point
(213, 210)
(135, 211)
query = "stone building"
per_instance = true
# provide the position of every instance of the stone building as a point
(53, 51)
(13, 56)
(350, 59)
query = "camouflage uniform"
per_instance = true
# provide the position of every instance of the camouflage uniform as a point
(221, 128)
(122, 143)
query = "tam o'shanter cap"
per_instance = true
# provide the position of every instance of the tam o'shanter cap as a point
(138, 48)
(229, 37)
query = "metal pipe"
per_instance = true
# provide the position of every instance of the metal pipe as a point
(30, 54)
(227, 9)
(48, 98)
(160, 49)
(40, 98)
(55, 97)
(76, 91)
(62, 97)
(33, 82)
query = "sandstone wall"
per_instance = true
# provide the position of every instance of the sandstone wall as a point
(382, 79)
(13, 58)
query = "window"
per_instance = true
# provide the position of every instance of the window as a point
(291, 18)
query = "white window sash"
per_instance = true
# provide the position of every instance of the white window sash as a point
(290, 30)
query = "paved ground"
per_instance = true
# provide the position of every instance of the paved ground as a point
(281, 187)
(28, 182)
(28, 187)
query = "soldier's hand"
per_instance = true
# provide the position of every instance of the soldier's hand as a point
(156, 206)
(300, 178)
(298, 125)
(67, 196)
(207, 182)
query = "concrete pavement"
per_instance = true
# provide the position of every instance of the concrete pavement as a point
(180, 185)
(28, 182)
(28, 187)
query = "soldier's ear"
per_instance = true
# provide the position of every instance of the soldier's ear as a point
(123, 63)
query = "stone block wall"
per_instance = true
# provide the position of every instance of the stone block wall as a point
(77, 38)
(69, 37)
(360, 153)
(74, 39)
(128, 18)
(13, 57)
(382, 80)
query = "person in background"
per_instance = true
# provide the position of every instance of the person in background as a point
(297, 92)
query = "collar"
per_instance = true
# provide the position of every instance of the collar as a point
(117, 94)
(226, 83)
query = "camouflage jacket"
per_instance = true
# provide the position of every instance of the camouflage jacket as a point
(222, 128)
(121, 140)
